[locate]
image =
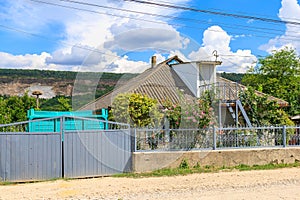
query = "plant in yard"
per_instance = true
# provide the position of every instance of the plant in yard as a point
(136, 109)
(190, 113)
(184, 164)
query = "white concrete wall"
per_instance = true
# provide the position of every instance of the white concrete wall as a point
(207, 73)
(189, 74)
(195, 74)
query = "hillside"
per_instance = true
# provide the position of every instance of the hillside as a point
(15, 82)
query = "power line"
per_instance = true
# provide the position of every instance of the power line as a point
(269, 34)
(215, 12)
(171, 17)
(90, 49)
(81, 47)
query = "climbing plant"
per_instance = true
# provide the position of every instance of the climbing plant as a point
(190, 113)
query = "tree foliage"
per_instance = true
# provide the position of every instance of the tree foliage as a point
(135, 109)
(236, 77)
(278, 75)
(263, 112)
(14, 108)
(58, 75)
(58, 103)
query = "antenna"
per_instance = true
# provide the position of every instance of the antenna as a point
(215, 53)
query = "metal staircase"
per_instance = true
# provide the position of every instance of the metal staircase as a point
(228, 94)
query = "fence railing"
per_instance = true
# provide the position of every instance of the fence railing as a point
(215, 138)
(61, 123)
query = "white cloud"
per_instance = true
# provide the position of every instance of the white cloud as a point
(149, 38)
(290, 10)
(124, 65)
(79, 55)
(28, 61)
(95, 31)
(215, 38)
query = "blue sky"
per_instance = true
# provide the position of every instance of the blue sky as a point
(121, 36)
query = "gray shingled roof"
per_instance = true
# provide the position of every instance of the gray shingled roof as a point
(159, 82)
(162, 83)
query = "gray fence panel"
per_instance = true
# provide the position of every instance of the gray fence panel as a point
(25, 157)
(96, 153)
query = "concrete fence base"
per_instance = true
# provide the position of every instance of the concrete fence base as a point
(149, 161)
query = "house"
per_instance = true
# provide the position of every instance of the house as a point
(172, 78)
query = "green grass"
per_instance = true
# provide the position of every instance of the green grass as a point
(204, 169)
(266, 167)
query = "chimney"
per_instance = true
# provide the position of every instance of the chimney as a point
(153, 61)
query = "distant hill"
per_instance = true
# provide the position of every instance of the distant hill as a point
(235, 77)
(54, 83)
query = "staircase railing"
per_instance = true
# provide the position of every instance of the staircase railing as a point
(223, 91)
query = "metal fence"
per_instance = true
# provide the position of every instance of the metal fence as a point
(215, 138)
(28, 154)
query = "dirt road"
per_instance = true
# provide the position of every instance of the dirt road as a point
(269, 184)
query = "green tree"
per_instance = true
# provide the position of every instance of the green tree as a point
(64, 103)
(58, 103)
(278, 75)
(262, 111)
(135, 109)
(5, 116)
(14, 108)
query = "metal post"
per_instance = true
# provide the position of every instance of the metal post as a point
(135, 142)
(284, 135)
(62, 121)
(236, 114)
(62, 124)
(220, 113)
(214, 138)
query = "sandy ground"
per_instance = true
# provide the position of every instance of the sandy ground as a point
(270, 184)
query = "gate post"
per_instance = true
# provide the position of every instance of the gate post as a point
(62, 125)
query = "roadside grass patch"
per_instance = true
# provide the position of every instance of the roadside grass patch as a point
(183, 169)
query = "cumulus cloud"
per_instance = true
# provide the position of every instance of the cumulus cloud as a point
(79, 55)
(216, 39)
(147, 38)
(100, 31)
(123, 65)
(28, 61)
(290, 10)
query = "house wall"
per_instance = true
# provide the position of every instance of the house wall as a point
(188, 72)
(195, 74)
(207, 74)
(149, 161)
